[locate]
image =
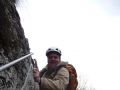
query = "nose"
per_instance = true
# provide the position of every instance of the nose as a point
(52, 58)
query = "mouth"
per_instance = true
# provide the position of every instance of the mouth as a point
(52, 62)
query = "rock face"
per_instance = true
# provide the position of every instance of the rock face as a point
(14, 45)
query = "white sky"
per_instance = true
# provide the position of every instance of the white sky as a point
(86, 31)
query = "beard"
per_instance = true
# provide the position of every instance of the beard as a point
(52, 64)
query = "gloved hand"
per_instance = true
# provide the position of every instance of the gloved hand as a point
(34, 63)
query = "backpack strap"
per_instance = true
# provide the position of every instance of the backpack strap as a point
(43, 71)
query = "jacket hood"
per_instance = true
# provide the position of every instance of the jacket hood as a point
(62, 63)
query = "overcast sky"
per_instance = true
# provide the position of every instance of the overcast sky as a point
(86, 31)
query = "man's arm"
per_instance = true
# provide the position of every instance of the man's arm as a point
(36, 75)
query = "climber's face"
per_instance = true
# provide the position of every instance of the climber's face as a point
(53, 60)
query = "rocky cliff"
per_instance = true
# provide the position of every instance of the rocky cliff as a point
(13, 45)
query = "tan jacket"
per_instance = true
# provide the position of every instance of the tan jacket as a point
(55, 81)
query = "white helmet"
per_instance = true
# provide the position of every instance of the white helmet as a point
(53, 49)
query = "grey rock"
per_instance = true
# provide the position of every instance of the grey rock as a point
(13, 45)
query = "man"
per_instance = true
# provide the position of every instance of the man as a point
(53, 76)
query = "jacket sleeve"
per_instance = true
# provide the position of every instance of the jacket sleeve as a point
(59, 82)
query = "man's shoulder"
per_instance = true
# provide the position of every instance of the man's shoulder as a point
(63, 69)
(63, 72)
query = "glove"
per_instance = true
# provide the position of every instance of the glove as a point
(34, 62)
